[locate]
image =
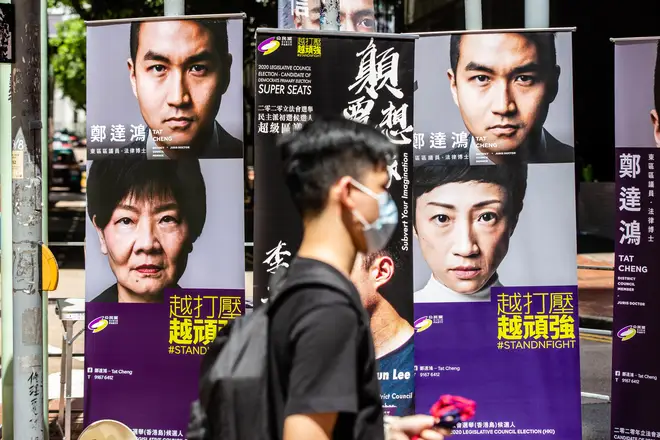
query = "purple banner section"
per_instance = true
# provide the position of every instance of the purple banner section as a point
(516, 356)
(635, 354)
(143, 360)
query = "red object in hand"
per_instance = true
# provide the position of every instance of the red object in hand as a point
(451, 410)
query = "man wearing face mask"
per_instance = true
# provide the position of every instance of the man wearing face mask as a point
(322, 369)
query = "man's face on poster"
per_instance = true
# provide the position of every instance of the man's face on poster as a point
(463, 231)
(179, 78)
(655, 120)
(502, 89)
(355, 15)
(147, 243)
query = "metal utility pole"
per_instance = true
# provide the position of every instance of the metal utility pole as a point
(6, 257)
(175, 7)
(44, 187)
(473, 18)
(330, 20)
(537, 14)
(26, 224)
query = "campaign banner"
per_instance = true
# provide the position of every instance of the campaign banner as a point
(495, 233)
(162, 235)
(363, 78)
(146, 99)
(354, 15)
(635, 357)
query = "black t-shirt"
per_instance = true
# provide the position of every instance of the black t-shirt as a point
(322, 358)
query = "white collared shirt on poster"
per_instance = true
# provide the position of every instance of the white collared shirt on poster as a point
(436, 292)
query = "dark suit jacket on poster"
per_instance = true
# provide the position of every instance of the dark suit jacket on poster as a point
(553, 152)
(111, 294)
(225, 147)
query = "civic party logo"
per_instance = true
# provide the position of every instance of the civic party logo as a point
(423, 323)
(97, 324)
(627, 333)
(268, 46)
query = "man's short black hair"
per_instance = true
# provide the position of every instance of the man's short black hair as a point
(112, 180)
(656, 79)
(324, 151)
(511, 176)
(217, 29)
(544, 42)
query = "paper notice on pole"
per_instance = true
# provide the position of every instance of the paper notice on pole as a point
(17, 164)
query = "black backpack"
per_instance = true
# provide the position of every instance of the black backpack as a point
(233, 395)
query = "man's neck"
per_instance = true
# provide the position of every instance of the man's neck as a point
(127, 296)
(528, 149)
(326, 240)
(389, 330)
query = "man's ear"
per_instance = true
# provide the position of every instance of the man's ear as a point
(99, 232)
(452, 84)
(553, 84)
(656, 126)
(384, 269)
(342, 191)
(131, 75)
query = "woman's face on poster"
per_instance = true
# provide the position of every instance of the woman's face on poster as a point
(463, 232)
(147, 243)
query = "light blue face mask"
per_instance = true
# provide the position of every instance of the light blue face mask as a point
(378, 233)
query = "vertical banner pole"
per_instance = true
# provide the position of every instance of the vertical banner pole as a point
(26, 223)
(45, 132)
(537, 14)
(5, 246)
(175, 7)
(473, 18)
(330, 15)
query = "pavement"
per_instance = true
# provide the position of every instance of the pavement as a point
(596, 290)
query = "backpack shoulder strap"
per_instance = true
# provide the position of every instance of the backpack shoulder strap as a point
(283, 286)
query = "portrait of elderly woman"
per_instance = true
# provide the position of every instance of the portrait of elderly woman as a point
(147, 216)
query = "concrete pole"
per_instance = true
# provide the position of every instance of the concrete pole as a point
(175, 7)
(44, 187)
(473, 19)
(29, 368)
(330, 20)
(537, 14)
(6, 260)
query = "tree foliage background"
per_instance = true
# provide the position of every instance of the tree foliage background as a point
(68, 51)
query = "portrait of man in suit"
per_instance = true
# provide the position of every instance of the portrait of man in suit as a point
(503, 85)
(655, 120)
(354, 15)
(179, 71)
